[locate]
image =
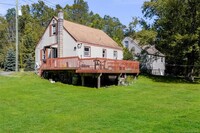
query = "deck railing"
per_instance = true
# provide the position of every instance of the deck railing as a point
(91, 64)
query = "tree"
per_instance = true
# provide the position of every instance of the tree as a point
(147, 34)
(131, 29)
(10, 17)
(10, 61)
(114, 28)
(29, 63)
(78, 12)
(146, 37)
(127, 55)
(5, 43)
(177, 23)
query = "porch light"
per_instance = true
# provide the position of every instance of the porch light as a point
(79, 45)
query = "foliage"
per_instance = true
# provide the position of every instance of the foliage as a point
(127, 55)
(29, 63)
(78, 12)
(177, 24)
(149, 105)
(3, 41)
(146, 37)
(10, 61)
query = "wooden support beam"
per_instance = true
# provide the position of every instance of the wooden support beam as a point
(99, 80)
(118, 79)
(82, 80)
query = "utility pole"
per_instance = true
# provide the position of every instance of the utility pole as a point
(16, 38)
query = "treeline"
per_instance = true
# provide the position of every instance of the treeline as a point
(175, 30)
(177, 23)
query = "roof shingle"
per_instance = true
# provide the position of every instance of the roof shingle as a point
(89, 35)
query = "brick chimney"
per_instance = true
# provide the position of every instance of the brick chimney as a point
(60, 33)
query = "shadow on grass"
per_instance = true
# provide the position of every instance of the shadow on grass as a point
(171, 79)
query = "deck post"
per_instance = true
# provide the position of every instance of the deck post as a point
(99, 80)
(118, 79)
(82, 80)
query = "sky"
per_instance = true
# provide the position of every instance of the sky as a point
(122, 9)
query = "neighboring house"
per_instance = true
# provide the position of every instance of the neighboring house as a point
(69, 49)
(132, 45)
(150, 58)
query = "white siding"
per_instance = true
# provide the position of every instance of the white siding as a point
(97, 52)
(45, 41)
(69, 45)
(132, 44)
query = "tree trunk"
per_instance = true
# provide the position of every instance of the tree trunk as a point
(190, 67)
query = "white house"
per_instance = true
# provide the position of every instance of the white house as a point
(68, 39)
(150, 58)
(69, 50)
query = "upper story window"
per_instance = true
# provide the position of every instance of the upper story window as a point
(162, 59)
(115, 54)
(104, 53)
(126, 44)
(156, 58)
(87, 51)
(53, 28)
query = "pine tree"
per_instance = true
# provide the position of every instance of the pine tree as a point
(10, 61)
(29, 63)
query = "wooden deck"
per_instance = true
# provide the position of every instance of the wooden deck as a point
(91, 65)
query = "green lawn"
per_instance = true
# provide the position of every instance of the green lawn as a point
(31, 104)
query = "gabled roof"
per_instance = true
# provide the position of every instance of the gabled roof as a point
(89, 35)
(152, 50)
(136, 42)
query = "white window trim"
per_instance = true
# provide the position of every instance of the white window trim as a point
(87, 53)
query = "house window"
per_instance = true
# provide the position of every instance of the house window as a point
(126, 44)
(104, 53)
(161, 59)
(43, 54)
(54, 53)
(115, 54)
(53, 29)
(87, 51)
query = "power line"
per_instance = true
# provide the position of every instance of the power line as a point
(52, 4)
(176, 65)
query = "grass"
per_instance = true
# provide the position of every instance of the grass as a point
(31, 104)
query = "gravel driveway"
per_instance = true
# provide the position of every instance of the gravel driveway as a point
(5, 73)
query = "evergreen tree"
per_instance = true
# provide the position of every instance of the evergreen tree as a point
(29, 63)
(10, 61)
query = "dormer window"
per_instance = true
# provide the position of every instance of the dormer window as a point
(126, 44)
